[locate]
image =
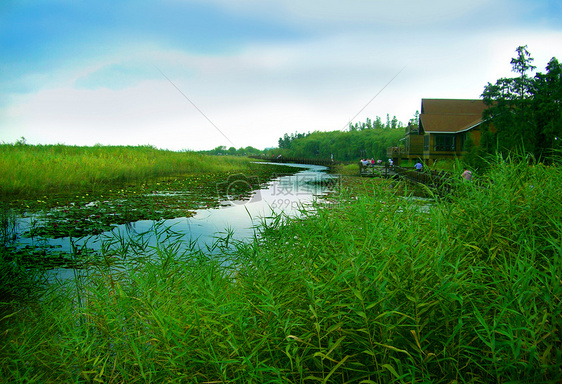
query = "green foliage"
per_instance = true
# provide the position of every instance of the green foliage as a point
(377, 124)
(371, 288)
(525, 113)
(242, 151)
(16, 282)
(28, 169)
(345, 146)
(475, 157)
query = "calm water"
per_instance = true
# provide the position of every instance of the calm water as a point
(286, 194)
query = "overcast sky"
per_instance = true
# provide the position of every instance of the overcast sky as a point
(196, 74)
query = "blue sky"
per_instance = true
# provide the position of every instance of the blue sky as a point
(110, 72)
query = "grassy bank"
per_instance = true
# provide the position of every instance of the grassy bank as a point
(32, 169)
(372, 288)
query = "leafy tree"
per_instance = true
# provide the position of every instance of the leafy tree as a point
(360, 141)
(547, 105)
(285, 141)
(524, 112)
(415, 120)
(394, 122)
(378, 123)
(249, 150)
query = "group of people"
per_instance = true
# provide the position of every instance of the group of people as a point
(370, 162)
(467, 174)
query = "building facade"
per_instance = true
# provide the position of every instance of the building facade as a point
(444, 129)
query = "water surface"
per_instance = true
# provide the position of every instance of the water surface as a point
(237, 215)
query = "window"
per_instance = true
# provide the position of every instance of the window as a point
(465, 137)
(443, 142)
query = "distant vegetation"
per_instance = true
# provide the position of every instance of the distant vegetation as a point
(232, 151)
(368, 139)
(26, 169)
(345, 146)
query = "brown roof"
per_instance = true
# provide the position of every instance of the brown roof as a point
(450, 115)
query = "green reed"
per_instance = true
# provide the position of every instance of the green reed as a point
(28, 169)
(373, 287)
(15, 280)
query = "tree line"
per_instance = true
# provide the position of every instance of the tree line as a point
(342, 145)
(368, 139)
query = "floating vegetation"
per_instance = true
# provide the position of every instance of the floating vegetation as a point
(48, 257)
(67, 215)
(73, 215)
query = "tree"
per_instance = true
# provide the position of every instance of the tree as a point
(415, 120)
(523, 112)
(378, 123)
(547, 105)
(521, 65)
(394, 123)
(285, 141)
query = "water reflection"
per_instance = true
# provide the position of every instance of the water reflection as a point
(286, 195)
(238, 216)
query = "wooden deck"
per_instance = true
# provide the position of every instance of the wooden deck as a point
(440, 182)
(376, 171)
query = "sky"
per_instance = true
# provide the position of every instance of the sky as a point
(198, 74)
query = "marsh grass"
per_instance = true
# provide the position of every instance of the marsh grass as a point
(29, 169)
(369, 288)
(15, 280)
(82, 191)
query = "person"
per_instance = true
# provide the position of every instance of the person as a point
(390, 163)
(467, 175)
(418, 166)
(372, 162)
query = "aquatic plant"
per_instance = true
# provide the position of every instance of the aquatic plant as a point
(16, 281)
(371, 287)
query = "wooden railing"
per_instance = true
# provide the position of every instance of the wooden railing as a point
(440, 182)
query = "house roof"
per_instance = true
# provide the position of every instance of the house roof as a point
(450, 115)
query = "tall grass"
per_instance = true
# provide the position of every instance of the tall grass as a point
(15, 281)
(372, 288)
(35, 169)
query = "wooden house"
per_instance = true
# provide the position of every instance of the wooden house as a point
(445, 126)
